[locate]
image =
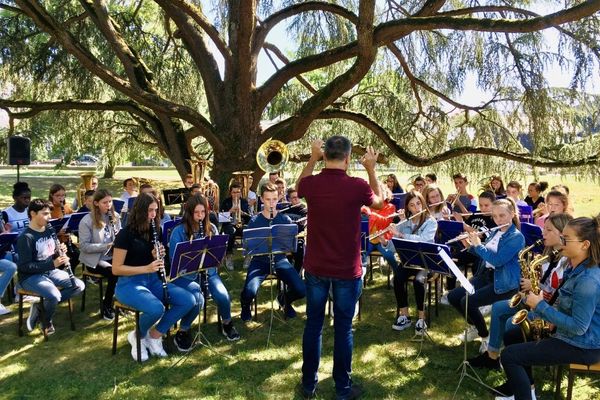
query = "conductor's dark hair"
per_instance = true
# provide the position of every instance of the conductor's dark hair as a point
(337, 148)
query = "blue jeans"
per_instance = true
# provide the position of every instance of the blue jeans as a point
(501, 313)
(144, 293)
(8, 270)
(46, 285)
(345, 294)
(258, 271)
(190, 284)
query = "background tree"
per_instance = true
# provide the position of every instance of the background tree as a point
(186, 71)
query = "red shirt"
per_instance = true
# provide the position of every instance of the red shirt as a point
(334, 200)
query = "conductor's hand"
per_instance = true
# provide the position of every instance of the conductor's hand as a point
(62, 260)
(369, 159)
(154, 266)
(316, 150)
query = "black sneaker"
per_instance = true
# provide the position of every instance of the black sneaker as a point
(183, 341)
(108, 313)
(401, 323)
(50, 329)
(305, 394)
(484, 361)
(281, 300)
(356, 392)
(289, 311)
(229, 331)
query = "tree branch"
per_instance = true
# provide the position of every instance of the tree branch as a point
(275, 50)
(417, 161)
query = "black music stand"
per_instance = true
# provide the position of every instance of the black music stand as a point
(175, 196)
(74, 220)
(118, 205)
(532, 234)
(423, 256)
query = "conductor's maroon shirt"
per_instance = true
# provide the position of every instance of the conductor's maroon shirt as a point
(334, 200)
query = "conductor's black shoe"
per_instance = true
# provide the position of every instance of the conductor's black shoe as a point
(356, 392)
(484, 361)
(305, 394)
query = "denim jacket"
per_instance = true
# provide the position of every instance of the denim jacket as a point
(425, 233)
(577, 315)
(507, 272)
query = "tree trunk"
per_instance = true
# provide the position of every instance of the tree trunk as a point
(109, 170)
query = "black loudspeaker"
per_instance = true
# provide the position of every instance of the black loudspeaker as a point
(19, 150)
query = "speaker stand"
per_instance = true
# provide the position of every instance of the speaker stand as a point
(18, 173)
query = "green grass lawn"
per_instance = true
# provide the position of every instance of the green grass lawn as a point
(76, 365)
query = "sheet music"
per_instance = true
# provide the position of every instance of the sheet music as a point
(457, 272)
(224, 216)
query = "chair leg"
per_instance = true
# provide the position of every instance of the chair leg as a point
(101, 290)
(43, 318)
(83, 298)
(570, 384)
(359, 307)
(389, 272)
(115, 331)
(70, 305)
(437, 297)
(558, 379)
(427, 311)
(138, 337)
(20, 325)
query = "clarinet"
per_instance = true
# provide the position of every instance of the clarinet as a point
(61, 253)
(200, 235)
(161, 271)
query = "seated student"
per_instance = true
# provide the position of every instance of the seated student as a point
(252, 198)
(38, 266)
(15, 217)
(93, 187)
(431, 178)
(576, 314)
(556, 203)
(260, 266)
(419, 183)
(497, 277)
(281, 195)
(196, 225)
(472, 223)
(435, 202)
(60, 209)
(162, 215)
(393, 185)
(237, 208)
(188, 181)
(497, 186)
(87, 205)
(97, 232)
(296, 212)
(465, 201)
(7, 271)
(513, 190)
(549, 280)
(534, 194)
(139, 286)
(421, 226)
(130, 190)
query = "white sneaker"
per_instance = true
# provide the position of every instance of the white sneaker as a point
(402, 323)
(513, 397)
(4, 310)
(247, 260)
(420, 327)
(131, 340)
(444, 300)
(33, 318)
(154, 346)
(472, 334)
(485, 310)
(229, 262)
(484, 345)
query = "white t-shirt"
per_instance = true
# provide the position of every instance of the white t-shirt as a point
(492, 245)
(18, 220)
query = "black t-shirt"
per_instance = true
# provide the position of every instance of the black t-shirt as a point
(534, 204)
(139, 250)
(480, 221)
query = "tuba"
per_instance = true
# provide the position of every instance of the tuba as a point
(209, 188)
(272, 156)
(84, 186)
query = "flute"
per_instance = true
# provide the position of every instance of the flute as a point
(62, 253)
(474, 213)
(483, 229)
(161, 271)
(392, 226)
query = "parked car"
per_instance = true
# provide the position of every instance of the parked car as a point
(147, 162)
(86, 159)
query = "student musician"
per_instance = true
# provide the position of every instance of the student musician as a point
(281, 195)
(435, 202)
(419, 183)
(97, 232)
(576, 315)
(56, 196)
(129, 190)
(164, 217)
(497, 186)
(88, 200)
(260, 266)
(136, 262)
(196, 225)
(392, 183)
(296, 212)
(419, 226)
(15, 217)
(550, 278)
(431, 178)
(497, 277)
(556, 203)
(238, 210)
(38, 266)
(513, 190)
(534, 194)
(465, 201)
(93, 187)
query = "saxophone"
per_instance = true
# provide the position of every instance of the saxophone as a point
(537, 328)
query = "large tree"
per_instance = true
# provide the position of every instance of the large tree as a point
(186, 72)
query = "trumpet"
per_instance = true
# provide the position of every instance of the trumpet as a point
(481, 230)
(237, 215)
(392, 226)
